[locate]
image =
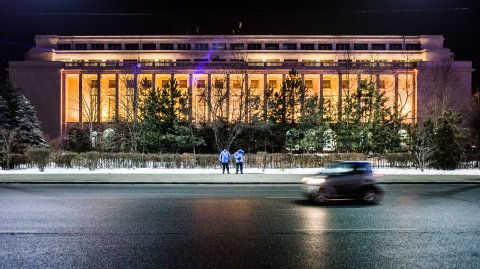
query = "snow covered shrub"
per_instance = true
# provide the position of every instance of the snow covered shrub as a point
(39, 156)
(63, 159)
(87, 159)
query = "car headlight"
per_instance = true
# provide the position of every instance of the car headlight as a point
(313, 180)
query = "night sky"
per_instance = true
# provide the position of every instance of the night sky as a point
(21, 20)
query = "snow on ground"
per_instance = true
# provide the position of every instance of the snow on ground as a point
(297, 171)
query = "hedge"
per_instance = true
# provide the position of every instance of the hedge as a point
(104, 160)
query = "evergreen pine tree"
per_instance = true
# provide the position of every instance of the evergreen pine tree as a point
(3, 113)
(449, 141)
(149, 134)
(283, 106)
(163, 121)
(18, 113)
(366, 124)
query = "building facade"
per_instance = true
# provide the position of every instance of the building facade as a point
(71, 79)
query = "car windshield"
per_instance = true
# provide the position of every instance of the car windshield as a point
(345, 168)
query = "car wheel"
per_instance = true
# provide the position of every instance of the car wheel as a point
(321, 196)
(371, 196)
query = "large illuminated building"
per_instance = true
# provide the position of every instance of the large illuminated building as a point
(71, 79)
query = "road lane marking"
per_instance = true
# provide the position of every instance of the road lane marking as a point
(285, 197)
(360, 230)
(18, 231)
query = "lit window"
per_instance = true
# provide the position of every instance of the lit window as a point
(201, 83)
(272, 83)
(219, 83)
(236, 84)
(182, 83)
(309, 84)
(327, 83)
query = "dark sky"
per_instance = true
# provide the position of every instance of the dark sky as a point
(21, 20)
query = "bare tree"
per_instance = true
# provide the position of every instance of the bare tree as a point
(7, 139)
(90, 105)
(440, 82)
(422, 144)
(227, 100)
(128, 108)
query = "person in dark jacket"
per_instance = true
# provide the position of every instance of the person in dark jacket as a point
(224, 160)
(239, 159)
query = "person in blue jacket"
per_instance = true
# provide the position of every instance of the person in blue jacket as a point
(224, 160)
(239, 159)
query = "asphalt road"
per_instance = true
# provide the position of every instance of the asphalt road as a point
(235, 226)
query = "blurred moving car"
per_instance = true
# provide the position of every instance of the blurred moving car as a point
(343, 180)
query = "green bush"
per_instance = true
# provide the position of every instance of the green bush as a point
(87, 159)
(63, 159)
(78, 140)
(16, 161)
(39, 156)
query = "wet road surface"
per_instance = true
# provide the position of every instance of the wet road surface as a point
(235, 226)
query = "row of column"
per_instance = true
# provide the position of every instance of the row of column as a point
(190, 88)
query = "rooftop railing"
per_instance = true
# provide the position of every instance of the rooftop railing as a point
(245, 65)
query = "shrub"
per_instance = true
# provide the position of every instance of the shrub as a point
(78, 140)
(87, 159)
(63, 158)
(39, 156)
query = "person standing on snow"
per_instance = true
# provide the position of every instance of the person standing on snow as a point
(239, 159)
(224, 160)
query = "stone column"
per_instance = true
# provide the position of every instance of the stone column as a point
(117, 97)
(209, 96)
(227, 93)
(302, 95)
(154, 81)
(265, 96)
(135, 97)
(80, 100)
(395, 105)
(99, 101)
(190, 97)
(63, 101)
(340, 90)
(414, 96)
(247, 98)
(321, 93)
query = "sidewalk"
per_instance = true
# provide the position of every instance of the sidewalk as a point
(214, 176)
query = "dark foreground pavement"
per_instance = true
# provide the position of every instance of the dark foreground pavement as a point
(235, 226)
